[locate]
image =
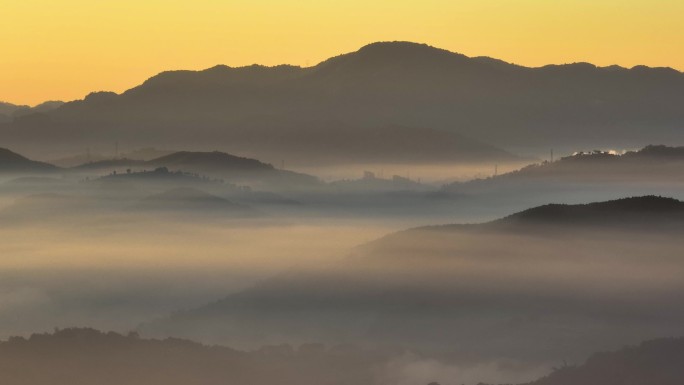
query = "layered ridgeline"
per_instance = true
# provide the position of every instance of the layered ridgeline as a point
(386, 102)
(554, 282)
(230, 168)
(197, 185)
(186, 185)
(581, 177)
(653, 163)
(9, 112)
(87, 356)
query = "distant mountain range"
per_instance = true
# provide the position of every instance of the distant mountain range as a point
(506, 288)
(8, 111)
(387, 102)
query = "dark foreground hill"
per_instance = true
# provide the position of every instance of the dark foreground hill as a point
(647, 214)
(656, 362)
(11, 162)
(344, 105)
(86, 356)
(562, 280)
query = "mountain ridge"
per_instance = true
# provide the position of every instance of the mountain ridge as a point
(641, 208)
(374, 48)
(390, 83)
(652, 163)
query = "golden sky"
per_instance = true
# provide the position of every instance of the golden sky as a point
(63, 49)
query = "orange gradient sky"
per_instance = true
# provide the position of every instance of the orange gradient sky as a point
(65, 49)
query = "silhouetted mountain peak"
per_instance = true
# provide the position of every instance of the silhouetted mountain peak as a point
(101, 96)
(386, 82)
(48, 105)
(615, 67)
(401, 49)
(658, 70)
(397, 54)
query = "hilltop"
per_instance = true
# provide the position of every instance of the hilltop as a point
(214, 164)
(11, 162)
(641, 211)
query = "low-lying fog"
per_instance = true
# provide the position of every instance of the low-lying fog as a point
(115, 272)
(431, 173)
(154, 251)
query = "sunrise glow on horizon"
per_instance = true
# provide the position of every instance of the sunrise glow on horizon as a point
(64, 50)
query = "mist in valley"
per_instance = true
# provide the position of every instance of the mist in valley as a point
(396, 215)
(259, 257)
